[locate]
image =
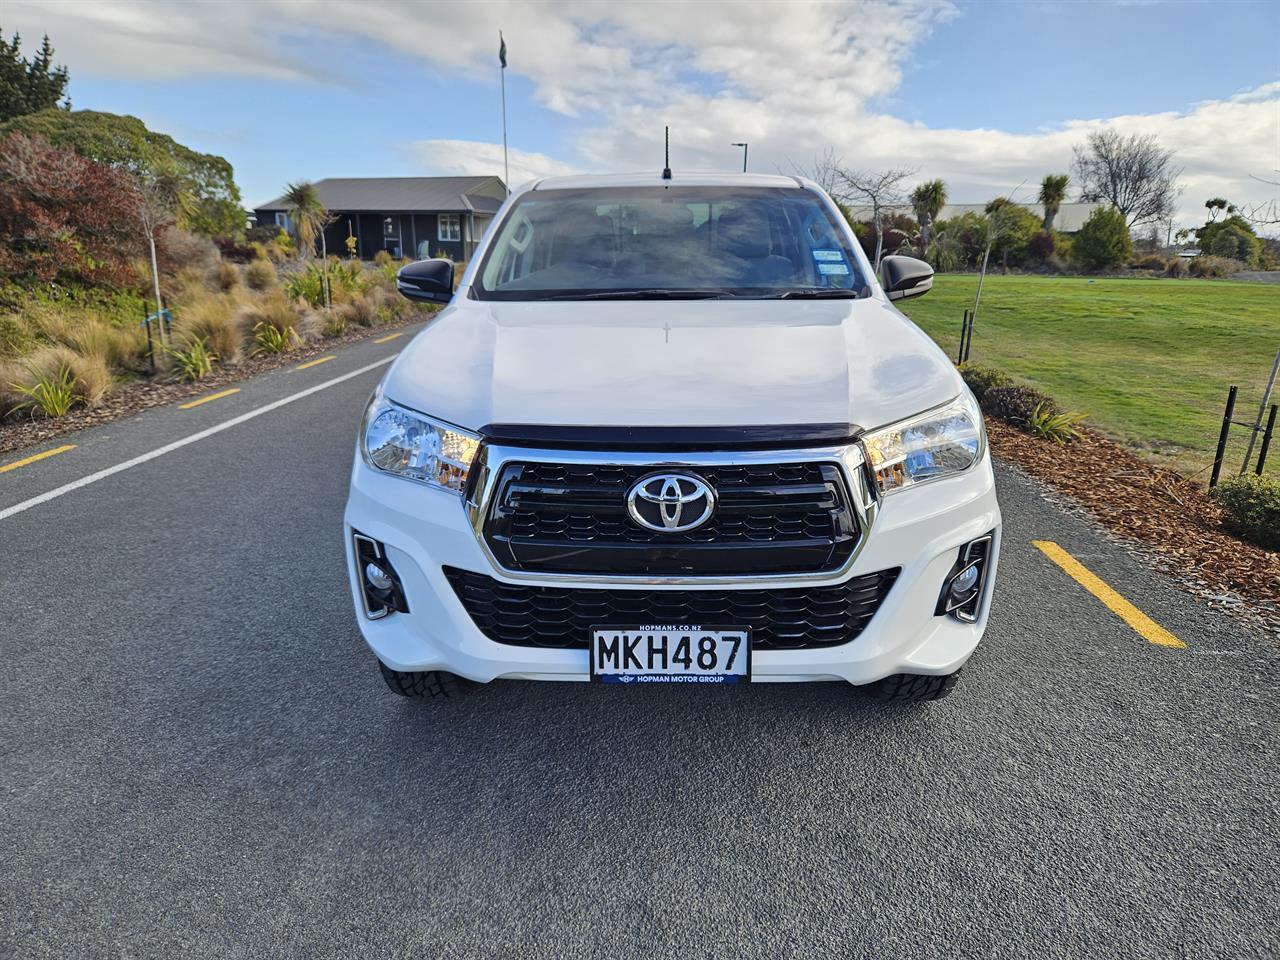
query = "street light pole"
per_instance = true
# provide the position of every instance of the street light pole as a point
(744, 154)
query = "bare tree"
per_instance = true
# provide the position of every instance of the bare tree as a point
(166, 200)
(824, 171)
(1134, 174)
(881, 190)
(1266, 213)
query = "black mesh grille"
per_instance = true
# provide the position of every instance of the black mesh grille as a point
(770, 518)
(531, 616)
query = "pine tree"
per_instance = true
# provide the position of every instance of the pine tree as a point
(28, 86)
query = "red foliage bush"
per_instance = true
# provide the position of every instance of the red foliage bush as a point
(1042, 246)
(65, 218)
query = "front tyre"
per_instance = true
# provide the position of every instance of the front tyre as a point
(912, 687)
(425, 684)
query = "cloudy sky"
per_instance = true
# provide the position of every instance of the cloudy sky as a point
(986, 95)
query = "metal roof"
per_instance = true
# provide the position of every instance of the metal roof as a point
(402, 195)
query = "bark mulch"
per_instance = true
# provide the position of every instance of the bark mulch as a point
(141, 394)
(1171, 517)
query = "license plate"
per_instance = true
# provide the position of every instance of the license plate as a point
(670, 653)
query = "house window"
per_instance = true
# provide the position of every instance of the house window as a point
(449, 227)
(282, 221)
(389, 227)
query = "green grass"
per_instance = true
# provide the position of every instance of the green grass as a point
(1149, 361)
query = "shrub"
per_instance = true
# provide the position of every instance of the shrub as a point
(1016, 403)
(65, 218)
(194, 362)
(1103, 242)
(1215, 267)
(1251, 505)
(52, 395)
(1232, 239)
(982, 379)
(178, 250)
(1058, 427)
(333, 322)
(307, 284)
(362, 310)
(258, 236)
(260, 275)
(15, 337)
(228, 277)
(212, 320)
(1149, 261)
(1042, 246)
(382, 258)
(90, 373)
(1177, 267)
(234, 251)
(93, 378)
(273, 310)
(268, 338)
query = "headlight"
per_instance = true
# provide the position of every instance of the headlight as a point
(934, 444)
(415, 447)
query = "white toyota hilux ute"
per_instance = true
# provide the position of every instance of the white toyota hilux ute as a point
(671, 431)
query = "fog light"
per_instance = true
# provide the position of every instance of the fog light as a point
(380, 588)
(377, 577)
(962, 590)
(963, 583)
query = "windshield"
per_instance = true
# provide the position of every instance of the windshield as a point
(673, 242)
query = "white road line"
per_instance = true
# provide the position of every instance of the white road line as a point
(178, 444)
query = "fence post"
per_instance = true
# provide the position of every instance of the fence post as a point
(968, 340)
(1222, 437)
(964, 326)
(1266, 439)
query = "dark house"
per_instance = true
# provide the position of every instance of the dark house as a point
(416, 217)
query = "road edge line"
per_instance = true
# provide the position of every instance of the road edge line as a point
(66, 488)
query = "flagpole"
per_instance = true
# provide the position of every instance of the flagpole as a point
(506, 169)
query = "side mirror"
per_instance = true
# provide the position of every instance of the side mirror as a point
(904, 277)
(428, 281)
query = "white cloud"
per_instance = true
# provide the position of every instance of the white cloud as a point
(472, 157)
(793, 79)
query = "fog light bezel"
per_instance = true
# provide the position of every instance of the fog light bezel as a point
(976, 554)
(377, 602)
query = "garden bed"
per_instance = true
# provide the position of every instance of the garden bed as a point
(140, 394)
(1169, 516)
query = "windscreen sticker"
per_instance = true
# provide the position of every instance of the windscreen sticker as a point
(837, 269)
(828, 256)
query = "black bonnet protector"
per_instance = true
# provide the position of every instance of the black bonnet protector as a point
(787, 436)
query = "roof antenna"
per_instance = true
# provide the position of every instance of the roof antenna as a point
(666, 171)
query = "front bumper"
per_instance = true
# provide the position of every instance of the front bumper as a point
(918, 530)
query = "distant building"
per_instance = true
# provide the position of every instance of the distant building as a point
(1070, 218)
(406, 216)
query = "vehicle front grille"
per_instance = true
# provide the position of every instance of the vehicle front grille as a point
(789, 619)
(769, 519)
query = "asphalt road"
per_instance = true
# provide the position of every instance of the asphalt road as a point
(198, 758)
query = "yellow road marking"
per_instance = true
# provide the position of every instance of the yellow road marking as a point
(316, 363)
(212, 396)
(36, 456)
(1145, 627)
(388, 337)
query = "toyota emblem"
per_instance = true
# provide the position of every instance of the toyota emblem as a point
(671, 502)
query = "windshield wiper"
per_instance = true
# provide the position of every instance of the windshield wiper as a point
(656, 293)
(813, 293)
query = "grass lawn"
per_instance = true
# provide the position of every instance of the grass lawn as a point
(1149, 361)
